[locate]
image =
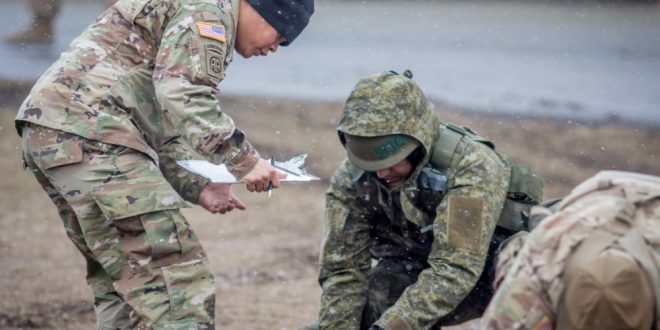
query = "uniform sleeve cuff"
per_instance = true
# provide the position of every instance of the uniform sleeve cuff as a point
(393, 321)
(193, 195)
(244, 161)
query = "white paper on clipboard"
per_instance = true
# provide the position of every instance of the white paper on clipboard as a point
(294, 168)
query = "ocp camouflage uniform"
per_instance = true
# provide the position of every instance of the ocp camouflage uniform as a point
(431, 242)
(142, 73)
(611, 203)
(101, 131)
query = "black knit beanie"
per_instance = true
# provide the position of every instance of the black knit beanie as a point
(288, 17)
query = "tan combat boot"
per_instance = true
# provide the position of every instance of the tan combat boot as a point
(39, 32)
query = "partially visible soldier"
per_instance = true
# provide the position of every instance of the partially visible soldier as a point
(591, 264)
(102, 130)
(426, 201)
(41, 28)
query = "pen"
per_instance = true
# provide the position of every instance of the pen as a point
(270, 183)
(285, 170)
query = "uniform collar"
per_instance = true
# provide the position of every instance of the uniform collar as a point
(235, 4)
(229, 57)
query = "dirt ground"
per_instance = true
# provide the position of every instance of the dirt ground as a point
(265, 258)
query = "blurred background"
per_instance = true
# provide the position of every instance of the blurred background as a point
(587, 60)
(566, 87)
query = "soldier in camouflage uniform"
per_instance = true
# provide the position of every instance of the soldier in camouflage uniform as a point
(591, 264)
(429, 228)
(103, 127)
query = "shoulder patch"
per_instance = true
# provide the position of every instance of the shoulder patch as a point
(214, 61)
(211, 31)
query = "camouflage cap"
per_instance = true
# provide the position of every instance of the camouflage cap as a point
(380, 152)
(609, 292)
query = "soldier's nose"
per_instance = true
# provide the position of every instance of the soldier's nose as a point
(381, 174)
(273, 48)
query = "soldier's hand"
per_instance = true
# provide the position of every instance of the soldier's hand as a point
(260, 177)
(473, 324)
(219, 198)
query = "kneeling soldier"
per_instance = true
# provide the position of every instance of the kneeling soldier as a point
(415, 213)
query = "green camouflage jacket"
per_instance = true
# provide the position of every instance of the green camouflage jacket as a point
(449, 229)
(529, 295)
(145, 76)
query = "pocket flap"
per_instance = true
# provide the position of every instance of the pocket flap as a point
(68, 152)
(137, 196)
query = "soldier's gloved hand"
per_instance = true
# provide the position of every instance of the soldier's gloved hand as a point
(375, 327)
(219, 198)
(263, 173)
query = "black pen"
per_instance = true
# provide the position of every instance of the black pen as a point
(270, 183)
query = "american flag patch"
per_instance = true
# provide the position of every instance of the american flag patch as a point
(212, 31)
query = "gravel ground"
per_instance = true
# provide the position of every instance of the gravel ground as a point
(265, 258)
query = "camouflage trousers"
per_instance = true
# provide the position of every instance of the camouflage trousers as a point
(391, 276)
(145, 265)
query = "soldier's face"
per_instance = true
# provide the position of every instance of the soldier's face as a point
(255, 36)
(394, 176)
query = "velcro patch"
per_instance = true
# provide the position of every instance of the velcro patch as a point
(398, 323)
(214, 61)
(211, 31)
(464, 223)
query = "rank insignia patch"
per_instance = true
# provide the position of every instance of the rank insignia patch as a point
(211, 31)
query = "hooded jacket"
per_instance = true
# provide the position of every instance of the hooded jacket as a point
(448, 227)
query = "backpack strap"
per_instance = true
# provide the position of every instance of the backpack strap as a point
(478, 138)
(445, 146)
(446, 143)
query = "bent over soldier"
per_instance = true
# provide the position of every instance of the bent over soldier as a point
(592, 263)
(413, 216)
(102, 130)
